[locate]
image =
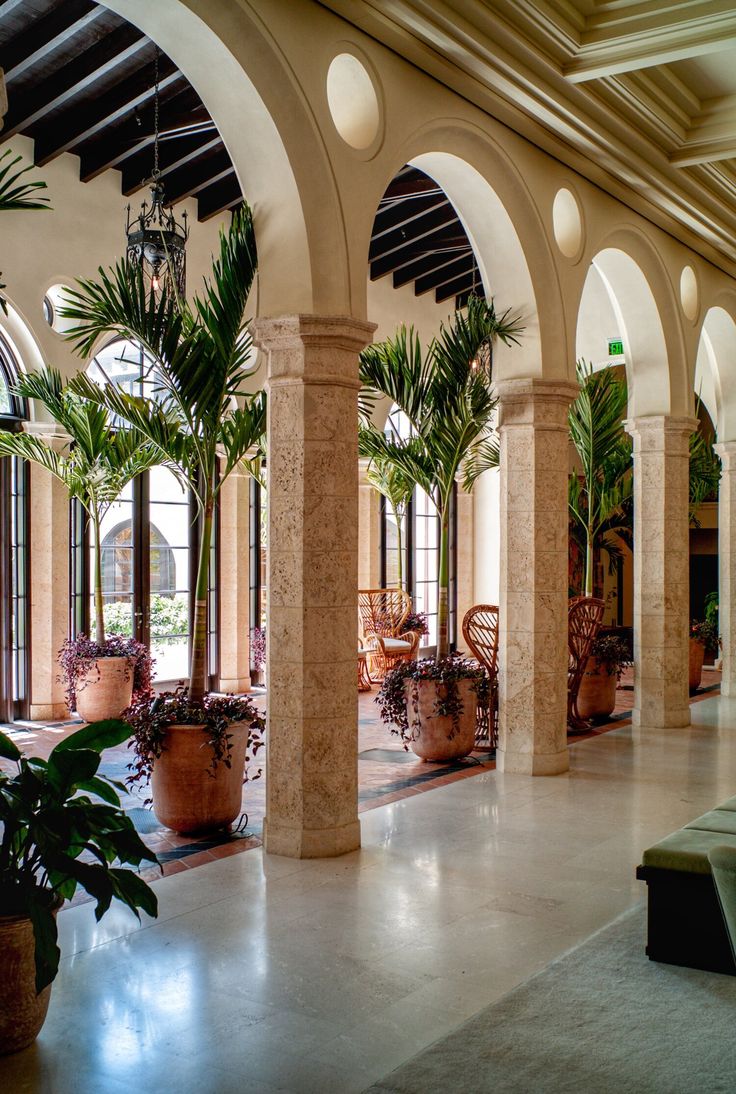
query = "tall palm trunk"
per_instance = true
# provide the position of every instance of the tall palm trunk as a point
(99, 606)
(443, 602)
(399, 558)
(589, 544)
(198, 665)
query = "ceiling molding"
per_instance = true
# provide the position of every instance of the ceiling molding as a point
(624, 37)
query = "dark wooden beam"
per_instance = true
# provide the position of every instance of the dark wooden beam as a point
(78, 124)
(405, 211)
(445, 273)
(134, 134)
(74, 78)
(172, 155)
(28, 48)
(439, 242)
(424, 225)
(194, 177)
(421, 266)
(220, 197)
(454, 288)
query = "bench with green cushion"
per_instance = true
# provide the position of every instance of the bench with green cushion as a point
(685, 925)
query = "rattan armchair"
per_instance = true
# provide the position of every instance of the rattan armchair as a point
(382, 614)
(584, 617)
(480, 631)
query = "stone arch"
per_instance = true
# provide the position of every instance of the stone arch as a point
(627, 285)
(715, 369)
(229, 57)
(507, 234)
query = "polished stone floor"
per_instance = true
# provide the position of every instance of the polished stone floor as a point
(266, 974)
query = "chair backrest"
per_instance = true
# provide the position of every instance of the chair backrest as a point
(584, 617)
(383, 611)
(480, 631)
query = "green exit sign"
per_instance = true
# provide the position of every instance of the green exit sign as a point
(615, 347)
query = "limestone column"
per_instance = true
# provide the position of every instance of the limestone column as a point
(661, 570)
(727, 564)
(312, 735)
(369, 532)
(49, 583)
(234, 591)
(534, 552)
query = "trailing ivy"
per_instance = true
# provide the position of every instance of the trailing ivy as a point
(402, 717)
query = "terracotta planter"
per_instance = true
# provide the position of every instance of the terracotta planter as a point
(22, 1012)
(106, 689)
(597, 695)
(188, 796)
(433, 740)
(697, 654)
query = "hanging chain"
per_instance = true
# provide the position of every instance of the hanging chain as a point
(155, 116)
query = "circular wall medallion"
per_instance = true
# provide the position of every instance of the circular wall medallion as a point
(689, 293)
(567, 223)
(353, 101)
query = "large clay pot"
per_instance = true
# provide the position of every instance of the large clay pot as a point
(188, 796)
(597, 694)
(106, 689)
(22, 1012)
(435, 738)
(695, 668)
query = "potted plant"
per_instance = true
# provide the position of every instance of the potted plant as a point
(95, 460)
(447, 396)
(610, 655)
(703, 635)
(53, 837)
(169, 754)
(416, 622)
(257, 655)
(203, 424)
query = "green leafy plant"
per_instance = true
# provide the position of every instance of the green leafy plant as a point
(711, 608)
(50, 821)
(18, 192)
(705, 632)
(613, 652)
(95, 462)
(168, 616)
(600, 498)
(201, 421)
(449, 403)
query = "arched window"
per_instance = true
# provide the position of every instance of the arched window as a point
(14, 480)
(420, 548)
(149, 545)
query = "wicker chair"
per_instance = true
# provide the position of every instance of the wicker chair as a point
(583, 620)
(382, 614)
(480, 631)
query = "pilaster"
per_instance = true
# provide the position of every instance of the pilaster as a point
(312, 736)
(661, 569)
(534, 550)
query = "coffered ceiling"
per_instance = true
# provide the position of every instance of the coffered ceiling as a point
(637, 95)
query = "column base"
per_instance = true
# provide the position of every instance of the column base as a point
(310, 842)
(530, 763)
(47, 712)
(728, 688)
(673, 719)
(237, 686)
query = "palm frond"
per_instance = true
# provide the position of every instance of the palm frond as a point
(16, 191)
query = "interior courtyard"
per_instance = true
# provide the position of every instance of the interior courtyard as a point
(372, 916)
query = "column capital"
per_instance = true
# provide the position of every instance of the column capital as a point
(311, 349)
(653, 426)
(727, 451)
(533, 401)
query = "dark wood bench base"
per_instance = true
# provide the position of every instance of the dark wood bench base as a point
(684, 922)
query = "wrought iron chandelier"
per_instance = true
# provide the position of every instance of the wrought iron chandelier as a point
(156, 241)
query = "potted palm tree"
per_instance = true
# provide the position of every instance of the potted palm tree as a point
(397, 488)
(203, 424)
(447, 396)
(53, 837)
(96, 462)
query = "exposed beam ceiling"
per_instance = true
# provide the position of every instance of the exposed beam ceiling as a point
(80, 79)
